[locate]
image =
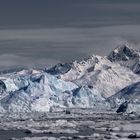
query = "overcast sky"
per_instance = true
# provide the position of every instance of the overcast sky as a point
(44, 32)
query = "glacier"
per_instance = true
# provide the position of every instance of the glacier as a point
(43, 91)
(97, 82)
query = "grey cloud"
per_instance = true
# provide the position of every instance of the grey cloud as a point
(8, 61)
(49, 31)
(39, 47)
(68, 13)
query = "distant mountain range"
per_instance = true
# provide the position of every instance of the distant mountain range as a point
(99, 82)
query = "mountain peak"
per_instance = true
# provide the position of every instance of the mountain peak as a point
(123, 53)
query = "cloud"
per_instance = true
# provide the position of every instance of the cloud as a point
(35, 47)
(13, 61)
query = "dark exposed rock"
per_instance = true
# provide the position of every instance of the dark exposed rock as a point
(27, 131)
(133, 135)
(122, 53)
(68, 112)
(59, 69)
(122, 108)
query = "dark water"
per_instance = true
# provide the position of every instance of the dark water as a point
(9, 134)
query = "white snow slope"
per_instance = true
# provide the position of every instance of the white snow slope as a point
(84, 84)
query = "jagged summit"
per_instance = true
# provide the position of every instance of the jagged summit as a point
(127, 57)
(123, 53)
(79, 66)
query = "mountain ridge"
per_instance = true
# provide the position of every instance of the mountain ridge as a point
(89, 83)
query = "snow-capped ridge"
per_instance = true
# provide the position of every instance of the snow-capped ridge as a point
(79, 66)
(126, 56)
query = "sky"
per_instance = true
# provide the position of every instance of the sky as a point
(35, 33)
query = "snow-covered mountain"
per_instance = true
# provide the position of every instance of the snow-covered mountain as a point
(127, 57)
(130, 96)
(106, 75)
(96, 82)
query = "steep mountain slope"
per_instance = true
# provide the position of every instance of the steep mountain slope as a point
(127, 57)
(130, 96)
